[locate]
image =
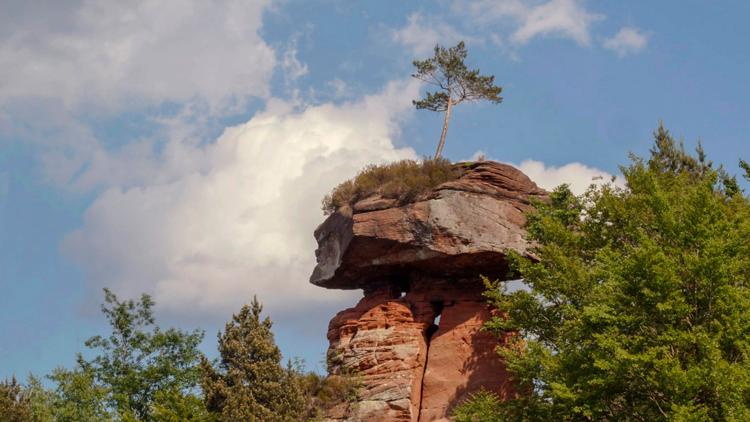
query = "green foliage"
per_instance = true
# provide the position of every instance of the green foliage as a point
(325, 393)
(447, 71)
(175, 406)
(77, 397)
(482, 406)
(141, 373)
(15, 403)
(249, 383)
(404, 181)
(135, 364)
(667, 156)
(639, 305)
(40, 400)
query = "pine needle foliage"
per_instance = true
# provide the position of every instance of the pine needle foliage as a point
(405, 181)
(455, 84)
(639, 306)
(15, 403)
(249, 383)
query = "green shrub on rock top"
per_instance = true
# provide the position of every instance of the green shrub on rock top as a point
(405, 181)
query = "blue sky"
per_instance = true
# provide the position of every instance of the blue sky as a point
(181, 149)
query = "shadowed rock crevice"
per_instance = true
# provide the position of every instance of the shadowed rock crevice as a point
(415, 338)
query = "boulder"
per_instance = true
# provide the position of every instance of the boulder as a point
(464, 226)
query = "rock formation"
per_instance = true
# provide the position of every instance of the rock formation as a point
(414, 339)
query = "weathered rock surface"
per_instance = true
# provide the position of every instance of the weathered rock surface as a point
(466, 224)
(414, 339)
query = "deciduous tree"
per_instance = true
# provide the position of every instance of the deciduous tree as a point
(639, 305)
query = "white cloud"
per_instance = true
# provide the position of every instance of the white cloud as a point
(422, 34)
(340, 88)
(563, 18)
(136, 53)
(238, 220)
(629, 40)
(554, 18)
(578, 176)
(293, 68)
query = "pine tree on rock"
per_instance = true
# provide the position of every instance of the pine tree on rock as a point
(249, 383)
(456, 83)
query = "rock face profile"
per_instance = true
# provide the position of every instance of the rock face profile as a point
(414, 339)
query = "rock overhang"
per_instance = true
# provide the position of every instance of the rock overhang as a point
(462, 228)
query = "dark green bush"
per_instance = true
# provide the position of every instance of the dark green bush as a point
(404, 180)
(482, 406)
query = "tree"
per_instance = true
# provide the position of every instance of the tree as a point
(76, 397)
(482, 406)
(15, 404)
(249, 382)
(141, 372)
(40, 401)
(175, 406)
(447, 71)
(135, 363)
(639, 306)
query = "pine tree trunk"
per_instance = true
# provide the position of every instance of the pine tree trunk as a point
(439, 150)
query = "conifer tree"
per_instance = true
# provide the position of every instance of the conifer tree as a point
(249, 383)
(446, 70)
(15, 403)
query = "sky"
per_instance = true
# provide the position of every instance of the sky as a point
(181, 148)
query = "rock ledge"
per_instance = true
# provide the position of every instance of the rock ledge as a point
(415, 338)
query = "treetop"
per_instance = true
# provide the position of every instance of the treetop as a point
(447, 70)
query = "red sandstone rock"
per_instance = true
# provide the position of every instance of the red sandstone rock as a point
(466, 224)
(417, 262)
(383, 343)
(461, 358)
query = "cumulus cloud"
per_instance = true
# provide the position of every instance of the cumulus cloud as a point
(239, 219)
(628, 40)
(563, 18)
(339, 88)
(421, 34)
(140, 52)
(293, 68)
(577, 175)
(554, 18)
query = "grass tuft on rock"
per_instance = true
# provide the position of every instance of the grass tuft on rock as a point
(405, 181)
